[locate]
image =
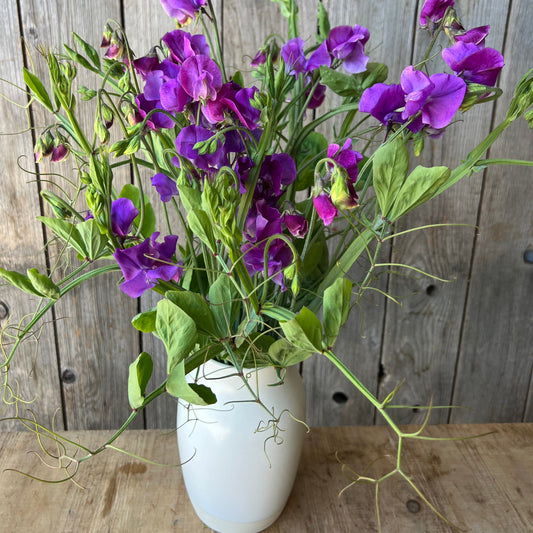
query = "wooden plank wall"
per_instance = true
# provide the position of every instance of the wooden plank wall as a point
(468, 342)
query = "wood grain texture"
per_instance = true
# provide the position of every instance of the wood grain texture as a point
(35, 369)
(95, 339)
(421, 338)
(499, 313)
(482, 485)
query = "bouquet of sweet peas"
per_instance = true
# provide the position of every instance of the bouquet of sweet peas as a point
(257, 191)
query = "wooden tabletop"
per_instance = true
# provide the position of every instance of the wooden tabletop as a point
(482, 485)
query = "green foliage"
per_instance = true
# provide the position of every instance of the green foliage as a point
(198, 309)
(336, 308)
(177, 330)
(390, 167)
(145, 321)
(37, 88)
(139, 374)
(189, 392)
(34, 283)
(353, 85)
(304, 331)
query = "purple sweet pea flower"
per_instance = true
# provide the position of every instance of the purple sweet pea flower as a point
(182, 10)
(165, 186)
(433, 11)
(318, 96)
(60, 152)
(279, 256)
(123, 213)
(384, 102)
(262, 222)
(143, 264)
(157, 120)
(200, 78)
(232, 98)
(259, 58)
(474, 63)
(277, 170)
(325, 208)
(347, 43)
(438, 97)
(292, 53)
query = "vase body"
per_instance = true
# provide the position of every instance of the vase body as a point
(238, 478)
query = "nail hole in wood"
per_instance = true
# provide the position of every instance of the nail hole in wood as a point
(340, 397)
(430, 290)
(412, 506)
(4, 310)
(68, 376)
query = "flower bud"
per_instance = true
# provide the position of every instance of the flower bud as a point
(60, 151)
(86, 93)
(107, 115)
(44, 146)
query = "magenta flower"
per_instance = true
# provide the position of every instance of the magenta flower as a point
(433, 11)
(347, 43)
(182, 10)
(474, 63)
(200, 78)
(165, 186)
(60, 151)
(325, 208)
(183, 45)
(123, 213)
(144, 264)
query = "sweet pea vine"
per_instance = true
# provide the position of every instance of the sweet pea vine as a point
(257, 191)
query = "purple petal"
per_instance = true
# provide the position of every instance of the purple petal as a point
(325, 208)
(123, 213)
(165, 186)
(444, 100)
(200, 77)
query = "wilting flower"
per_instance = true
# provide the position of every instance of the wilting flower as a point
(433, 11)
(123, 213)
(182, 10)
(165, 186)
(474, 63)
(144, 264)
(347, 43)
(296, 224)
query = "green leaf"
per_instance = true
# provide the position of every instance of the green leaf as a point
(20, 281)
(336, 308)
(190, 198)
(304, 331)
(419, 187)
(224, 303)
(43, 284)
(66, 231)
(390, 167)
(133, 193)
(145, 321)
(190, 392)
(283, 353)
(197, 308)
(78, 58)
(200, 225)
(177, 330)
(37, 88)
(91, 53)
(94, 242)
(139, 375)
(353, 85)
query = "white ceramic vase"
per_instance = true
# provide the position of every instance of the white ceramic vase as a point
(238, 478)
